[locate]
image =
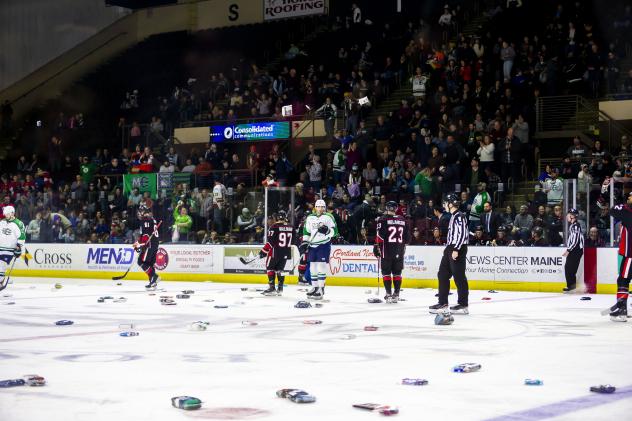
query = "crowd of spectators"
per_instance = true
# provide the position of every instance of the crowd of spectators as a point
(467, 126)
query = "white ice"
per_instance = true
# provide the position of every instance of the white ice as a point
(94, 374)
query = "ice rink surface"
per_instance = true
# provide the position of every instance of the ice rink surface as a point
(235, 368)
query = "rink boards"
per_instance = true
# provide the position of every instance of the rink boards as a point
(503, 268)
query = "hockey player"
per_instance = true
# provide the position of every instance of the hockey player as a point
(147, 245)
(574, 250)
(391, 239)
(320, 228)
(303, 278)
(277, 250)
(454, 260)
(12, 236)
(622, 213)
(303, 274)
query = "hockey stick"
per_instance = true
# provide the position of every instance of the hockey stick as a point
(378, 299)
(5, 281)
(243, 260)
(378, 276)
(116, 278)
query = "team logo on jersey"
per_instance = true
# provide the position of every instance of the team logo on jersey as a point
(162, 259)
(6, 231)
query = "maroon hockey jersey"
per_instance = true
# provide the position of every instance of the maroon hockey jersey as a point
(392, 235)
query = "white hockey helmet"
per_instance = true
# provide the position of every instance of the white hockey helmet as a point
(8, 211)
(320, 203)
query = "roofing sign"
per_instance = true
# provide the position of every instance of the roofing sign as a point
(279, 9)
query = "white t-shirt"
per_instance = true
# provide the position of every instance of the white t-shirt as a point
(486, 153)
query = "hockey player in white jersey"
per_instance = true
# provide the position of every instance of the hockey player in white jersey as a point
(319, 229)
(12, 236)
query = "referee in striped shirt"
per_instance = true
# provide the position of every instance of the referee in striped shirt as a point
(454, 259)
(574, 250)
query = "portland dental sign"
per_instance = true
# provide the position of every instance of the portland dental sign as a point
(252, 131)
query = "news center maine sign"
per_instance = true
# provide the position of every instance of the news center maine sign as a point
(283, 9)
(250, 132)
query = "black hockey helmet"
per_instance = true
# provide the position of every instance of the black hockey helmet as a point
(452, 199)
(539, 231)
(574, 212)
(502, 228)
(281, 215)
(478, 228)
(143, 209)
(391, 206)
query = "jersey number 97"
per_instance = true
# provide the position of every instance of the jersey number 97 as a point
(285, 239)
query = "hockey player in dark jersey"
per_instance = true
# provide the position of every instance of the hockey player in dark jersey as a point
(277, 250)
(147, 245)
(303, 264)
(302, 270)
(623, 214)
(390, 246)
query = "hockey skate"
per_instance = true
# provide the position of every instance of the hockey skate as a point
(279, 290)
(270, 291)
(619, 312)
(438, 308)
(459, 309)
(311, 292)
(317, 295)
(569, 289)
(153, 283)
(390, 298)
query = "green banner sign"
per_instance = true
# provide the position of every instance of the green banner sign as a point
(142, 182)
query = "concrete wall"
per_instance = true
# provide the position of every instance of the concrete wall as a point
(34, 32)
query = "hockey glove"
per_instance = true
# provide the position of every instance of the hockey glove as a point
(17, 251)
(262, 254)
(601, 203)
(323, 229)
(138, 247)
(376, 250)
(302, 249)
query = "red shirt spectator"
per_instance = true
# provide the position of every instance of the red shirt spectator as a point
(5, 202)
(29, 184)
(15, 186)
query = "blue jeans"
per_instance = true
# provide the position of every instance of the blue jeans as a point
(507, 66)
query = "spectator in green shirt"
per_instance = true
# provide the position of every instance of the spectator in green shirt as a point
(87, 170)
(182, 222)
(424, 181)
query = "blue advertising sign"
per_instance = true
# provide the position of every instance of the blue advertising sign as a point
(251, 131)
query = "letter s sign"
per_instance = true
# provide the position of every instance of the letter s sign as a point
(233, 12)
